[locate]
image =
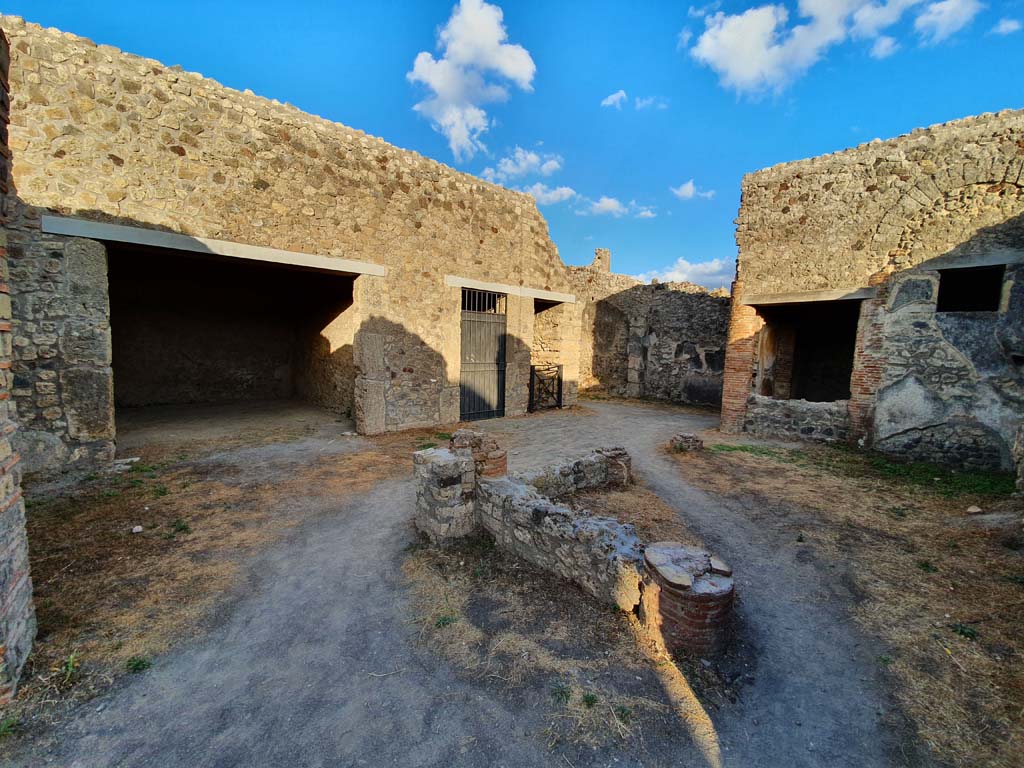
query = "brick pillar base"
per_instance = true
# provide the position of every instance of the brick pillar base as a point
(744, 323)
(687, 599)
(868, 362)
(491, 459)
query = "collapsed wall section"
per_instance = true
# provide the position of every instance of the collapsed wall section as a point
(664, 341)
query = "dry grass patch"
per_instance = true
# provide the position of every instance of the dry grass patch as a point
(501, 621)
(945, 594)
(108, 600)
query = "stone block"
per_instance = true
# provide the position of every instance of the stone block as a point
(445, 495)
(686, 442)
(88, 400)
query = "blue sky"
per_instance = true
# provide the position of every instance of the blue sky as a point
(528, 93)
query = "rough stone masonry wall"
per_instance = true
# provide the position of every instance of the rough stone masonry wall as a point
(664, 341)
(17, 617)
(925, 384)
(100, 134)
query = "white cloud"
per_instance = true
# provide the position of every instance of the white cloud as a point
(940, 20)
(688, 190)
(645, 102)
(716, 273)
(1007, 27)
(615, 99)
(611, 206)
(521, 163)
(754, 51)
(545, 195)
(607, 206)
(683, 40)
(870, 19)
(474, 48)
(884, 47)
(763, 49)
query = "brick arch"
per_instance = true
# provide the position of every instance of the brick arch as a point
(910, 215)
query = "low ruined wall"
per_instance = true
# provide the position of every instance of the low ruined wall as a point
(683, 595)
(664, 341)
(459, 493)
(599, 554)
(604, 468)
(797, 419)
(17, 616)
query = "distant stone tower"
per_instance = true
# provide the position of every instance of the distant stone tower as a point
(602, 260)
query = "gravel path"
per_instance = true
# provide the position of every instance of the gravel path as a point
(313, 661)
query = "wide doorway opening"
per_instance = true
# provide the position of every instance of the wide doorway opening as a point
(484, 341)
(200, 339)
(805, 351)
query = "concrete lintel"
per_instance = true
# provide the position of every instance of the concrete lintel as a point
(453, 281)
(98, 230)
(800, 297)
(987, 259)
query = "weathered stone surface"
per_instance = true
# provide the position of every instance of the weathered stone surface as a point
(599, 554)
(489, 458)
(445, 495)
(797, 419)
(154, 147)
(686, 442)
(664, 341)
(897, 217)
(603, 468)
(17, 615)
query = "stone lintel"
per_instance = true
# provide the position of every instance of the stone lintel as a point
(801, 297)
(119, 233)
(454, 281)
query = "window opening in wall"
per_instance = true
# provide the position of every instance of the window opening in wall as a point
(805, 351)
(971, 289)
(486, 302)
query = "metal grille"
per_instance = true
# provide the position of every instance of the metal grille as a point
(482, 376)
(484, 302)
(545, 387)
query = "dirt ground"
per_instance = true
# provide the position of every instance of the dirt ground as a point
(936, 560)
(109, 600)
(276, 609)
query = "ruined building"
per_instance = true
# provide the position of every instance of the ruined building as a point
(880, 296)
(175, 241)
(662, 341)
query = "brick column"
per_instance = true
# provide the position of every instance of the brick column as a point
(17, 617)
(868, 362)
(744, 323)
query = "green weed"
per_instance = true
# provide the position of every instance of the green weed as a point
(8, 726)
(589, 700)
(138, 664)
(927, 566)
(445, 621)
(755, 450)
(965, 631)
(561, 693)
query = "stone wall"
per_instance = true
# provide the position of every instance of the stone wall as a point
(17, 617)
(683, 595)
(952, 385)
(797, 419)
(832, 222)
(664, 341)
(103, 135)
(882, 221)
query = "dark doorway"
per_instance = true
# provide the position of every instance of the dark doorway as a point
(482, 376)
(806, 350)
(189, 328)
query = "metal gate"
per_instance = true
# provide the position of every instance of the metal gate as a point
(482, 377)
(545, 387)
